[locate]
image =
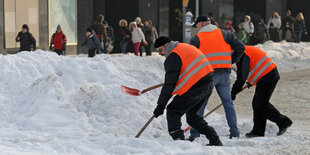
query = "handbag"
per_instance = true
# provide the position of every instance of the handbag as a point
(109, 47)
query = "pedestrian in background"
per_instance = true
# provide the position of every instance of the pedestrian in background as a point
(273, 33)
(92, 42)
(261, 33)
(150, 35)
(288, 19)
(229, 28)
(248, 26)
(124, 35)
(242, 34)
(300, 27)
(26, 39)
(137, 36)
(59, 41)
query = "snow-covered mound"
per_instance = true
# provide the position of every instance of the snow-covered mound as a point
(52, 104)
(287, 55)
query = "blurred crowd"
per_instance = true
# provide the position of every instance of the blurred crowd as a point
(251, 32)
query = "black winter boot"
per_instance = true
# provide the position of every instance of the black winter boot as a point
(215, 141)
(283, 127)
(252, 135)
(177, 135)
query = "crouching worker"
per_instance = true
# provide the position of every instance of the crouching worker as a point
(259, 70)
(188, 76)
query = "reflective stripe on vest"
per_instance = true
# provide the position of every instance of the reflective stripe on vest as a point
(190, 66)
(194, 67)
(190, 75)
(214, 46)
(260, 64)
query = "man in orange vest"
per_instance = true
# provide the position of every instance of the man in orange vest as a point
(259, 70)
(216, 44)
(189, 77)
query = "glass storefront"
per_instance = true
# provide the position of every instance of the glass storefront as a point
(63, 12)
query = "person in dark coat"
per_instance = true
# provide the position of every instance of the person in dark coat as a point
(288, 19)
(288, 33)
(124, 35)
(190, 94)
(26, 39)
(258, 69)
(300, 27)
(92, 42)
(148, 33)
(273, 33)
(59, 41)
(261, 32)
(101, 32)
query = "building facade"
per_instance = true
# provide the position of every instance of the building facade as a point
(75, 16)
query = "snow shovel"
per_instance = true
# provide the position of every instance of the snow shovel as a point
(144, 127)
(136, 92)
(214, 109)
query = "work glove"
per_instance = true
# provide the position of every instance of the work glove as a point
(159, 110)
(233, 96)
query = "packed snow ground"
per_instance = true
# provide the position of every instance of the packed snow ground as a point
(52, 104)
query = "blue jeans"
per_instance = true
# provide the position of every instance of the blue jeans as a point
(222, 85)
(124, 45)
(298, 36)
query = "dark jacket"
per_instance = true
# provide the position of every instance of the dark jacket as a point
(122, 34)
(92, 42)
(147, 30)
(300, 26)
(173, 64)
(288, 19)
(261, 33)
(230, 39)
(110, 34)
(100, 31)
(26, 41)
(243, 67)
(274, 34)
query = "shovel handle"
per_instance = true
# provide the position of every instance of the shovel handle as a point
(144, 127)
(210, 112)
(151, 88)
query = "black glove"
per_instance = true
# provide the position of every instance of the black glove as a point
(159, 110)
(249, 85)
(233, 96)
(51, 48)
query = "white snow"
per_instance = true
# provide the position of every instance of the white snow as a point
(52, 104)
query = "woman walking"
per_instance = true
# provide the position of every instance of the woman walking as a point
(300, 27)
(137, 36)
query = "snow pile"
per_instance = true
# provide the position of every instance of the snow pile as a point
(52, 104)
(287, 55)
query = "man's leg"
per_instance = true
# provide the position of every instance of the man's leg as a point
(193, 132)
(266, 109)
(223, 89)
(197, 122)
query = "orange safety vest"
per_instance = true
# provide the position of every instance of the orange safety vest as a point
(260, 64)
(213, 45)
(194, 67)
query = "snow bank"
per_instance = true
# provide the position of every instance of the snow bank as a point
(287, 55)
(53, 104)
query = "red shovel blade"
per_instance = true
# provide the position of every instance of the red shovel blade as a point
(130, 91)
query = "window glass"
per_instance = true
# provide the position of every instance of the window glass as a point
(63, 13)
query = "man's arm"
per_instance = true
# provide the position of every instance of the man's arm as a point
(243, 67)
(195, 41)
(235, 44)
(173, 65)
